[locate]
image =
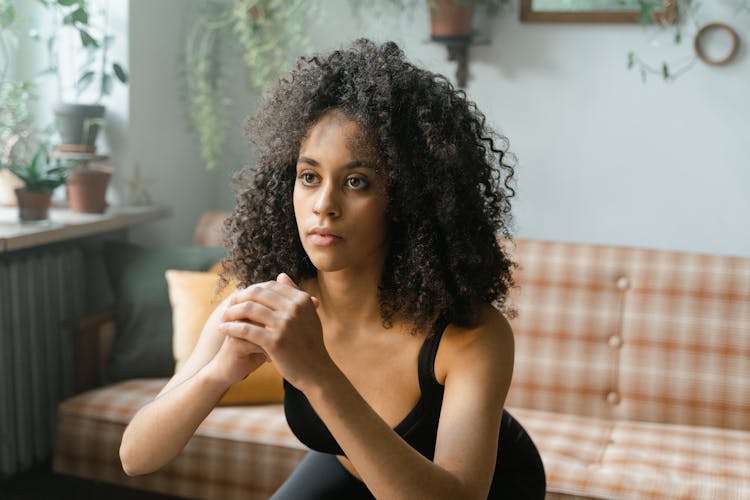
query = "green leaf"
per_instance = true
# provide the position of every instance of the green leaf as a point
(58, 171)
(665, 71)
(34, 167)
(85, 81)
(677, 36)
(647, 12)
(631, 60)
(7, 16)
(77, 16)
(67, 3)
(106, 84)
(120, 73)
(88, 40)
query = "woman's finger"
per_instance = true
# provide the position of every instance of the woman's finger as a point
(249, 332)
(262, 293)
(285, 285)
(250, 310)
(246, 348)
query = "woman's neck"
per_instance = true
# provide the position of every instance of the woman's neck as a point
(349, 302)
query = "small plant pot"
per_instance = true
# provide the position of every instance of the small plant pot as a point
(33, 206)
(78, 126)
(87, 188)
(450, 20)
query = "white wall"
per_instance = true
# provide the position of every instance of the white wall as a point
(603, 158)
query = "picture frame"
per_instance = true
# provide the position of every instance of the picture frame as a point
(590, 11)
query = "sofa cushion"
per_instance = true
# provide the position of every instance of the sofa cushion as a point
(237, 452)
(142, 345)
(193, 297)
(632, 334)
(247, 452)
(600, 458)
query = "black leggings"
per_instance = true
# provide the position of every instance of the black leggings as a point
(519, 473)
(320, 476)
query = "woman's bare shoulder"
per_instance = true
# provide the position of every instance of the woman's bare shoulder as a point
(490, 338)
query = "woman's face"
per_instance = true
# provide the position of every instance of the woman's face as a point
(339, 199)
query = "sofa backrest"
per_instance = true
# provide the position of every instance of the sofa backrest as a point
(636, 334)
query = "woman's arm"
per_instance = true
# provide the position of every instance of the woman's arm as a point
(479, 368)
(162, 428)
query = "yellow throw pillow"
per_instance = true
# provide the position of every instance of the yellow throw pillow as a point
(193, 298)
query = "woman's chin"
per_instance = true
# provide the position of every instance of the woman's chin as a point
(326, 266)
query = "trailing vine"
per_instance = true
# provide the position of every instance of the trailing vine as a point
(268, 33)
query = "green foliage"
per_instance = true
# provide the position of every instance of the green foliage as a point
(8, 39)
(208, 106)
(75, 14)
(269, 34)
(16, 97)
(16, 126)
(40, 174)
(683, 9)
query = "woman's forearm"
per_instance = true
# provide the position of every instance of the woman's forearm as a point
(162, 428)
(390, 467)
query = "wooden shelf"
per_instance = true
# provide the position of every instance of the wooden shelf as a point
(64, 224)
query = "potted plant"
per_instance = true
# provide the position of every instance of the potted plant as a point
(40, 178)
(453, 19)
(78, 123)
(79, 115)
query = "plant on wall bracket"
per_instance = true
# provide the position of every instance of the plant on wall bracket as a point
(268, 34)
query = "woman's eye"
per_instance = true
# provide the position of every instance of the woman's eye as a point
(307, 178)
(357, 183)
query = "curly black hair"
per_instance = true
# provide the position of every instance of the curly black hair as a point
(449, 184)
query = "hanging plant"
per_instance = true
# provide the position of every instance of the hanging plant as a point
(684, 17)
(268, 34)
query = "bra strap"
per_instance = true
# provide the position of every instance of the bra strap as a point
(427, 381)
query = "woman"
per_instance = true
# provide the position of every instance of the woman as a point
(366, 249)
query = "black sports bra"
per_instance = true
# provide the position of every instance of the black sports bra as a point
(418, 428)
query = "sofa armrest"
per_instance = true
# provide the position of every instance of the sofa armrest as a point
(92, 336)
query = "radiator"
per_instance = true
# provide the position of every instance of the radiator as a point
(39, 289)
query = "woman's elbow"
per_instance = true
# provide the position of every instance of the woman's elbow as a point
(130, 462)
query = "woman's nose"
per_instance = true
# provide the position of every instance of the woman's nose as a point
(326, 201)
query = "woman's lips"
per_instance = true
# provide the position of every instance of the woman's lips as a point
(324, 240)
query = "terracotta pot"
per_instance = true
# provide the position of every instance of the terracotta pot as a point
(33, 205)
(450, 19)
(87, 187)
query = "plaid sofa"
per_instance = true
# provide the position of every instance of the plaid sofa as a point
(632, 376)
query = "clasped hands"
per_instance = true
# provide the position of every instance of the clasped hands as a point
(272, 321)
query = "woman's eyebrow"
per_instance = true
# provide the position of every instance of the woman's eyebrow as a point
(351, 164)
